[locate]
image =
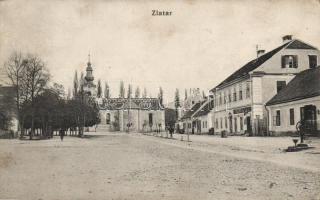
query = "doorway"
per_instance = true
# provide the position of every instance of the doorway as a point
(248, 122)
(230, 123)
(308, 116)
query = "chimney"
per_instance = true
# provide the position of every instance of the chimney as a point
(286, 38)
(260, 52)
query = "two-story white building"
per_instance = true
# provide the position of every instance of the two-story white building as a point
(240, 100)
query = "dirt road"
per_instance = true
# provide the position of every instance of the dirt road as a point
(130, 167)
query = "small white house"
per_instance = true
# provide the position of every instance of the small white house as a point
(298, 102)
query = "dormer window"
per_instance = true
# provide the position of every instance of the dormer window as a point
(289, 61)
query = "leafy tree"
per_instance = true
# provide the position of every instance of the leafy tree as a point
(81, 84)
(69, 94)
(75, 84)
(185, 94)
(129, 93)
(122, 90)
(177, 99)
(160, 95)
(106, 91)
(137, 92)
(170, 117)
(144, 94)
(99, 89)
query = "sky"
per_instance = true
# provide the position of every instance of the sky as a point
(198, 46)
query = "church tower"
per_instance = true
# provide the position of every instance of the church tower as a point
(89, 77)
(89, 87)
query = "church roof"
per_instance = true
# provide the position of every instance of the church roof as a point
(132, 103)
(304, 85)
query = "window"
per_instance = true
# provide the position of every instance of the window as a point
(289, 61)
(313, 61)
(220, 99)
(221, 123)
(150, 119)
(235, 124)
(229, 96)
(291, 112)
(225, 98)
(280, 85)
(226, 122)
(278, 117)
(241, 123)
(217, 124)
(108, 118)
(234, 94)
(248, 90)
(240, 92)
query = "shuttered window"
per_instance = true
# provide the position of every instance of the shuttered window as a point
(289, 61)
(278, 118)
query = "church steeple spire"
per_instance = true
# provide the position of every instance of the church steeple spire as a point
(89, 77)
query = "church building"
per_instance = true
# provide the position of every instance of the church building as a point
(125, 114)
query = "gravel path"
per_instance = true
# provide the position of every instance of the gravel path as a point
(141, 167)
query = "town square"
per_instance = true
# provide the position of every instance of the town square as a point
(142, 100)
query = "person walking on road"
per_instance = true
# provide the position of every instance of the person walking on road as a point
(61, 133)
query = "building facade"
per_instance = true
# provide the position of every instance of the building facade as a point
(125, 114)
(240, 100)
(196, 120)
(298, 102)
(133, 114)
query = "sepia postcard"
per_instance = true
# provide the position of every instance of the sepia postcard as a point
(163, 100)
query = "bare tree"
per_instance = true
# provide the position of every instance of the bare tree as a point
(15, 70)
(35, 80)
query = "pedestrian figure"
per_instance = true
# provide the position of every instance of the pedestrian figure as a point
(61, 133)
(171, 130)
